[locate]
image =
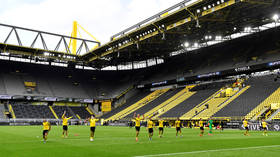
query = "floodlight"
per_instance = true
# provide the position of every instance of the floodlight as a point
(186, 44)
(218, 37)
(275, 17)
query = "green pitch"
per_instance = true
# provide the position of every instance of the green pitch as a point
(26, 141)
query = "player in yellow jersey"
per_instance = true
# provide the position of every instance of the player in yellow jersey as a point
(137, 124)
(46, 130)
(92, 121)
(160, 127)
(150, 125)
(201, 127)
(264, 126)
(178, 127)
(65, 125)
(245, 124)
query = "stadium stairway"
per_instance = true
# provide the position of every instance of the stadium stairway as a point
(154, 103)
(215, 104)
(175, 93)
(53, 112)
(90, 110)
(136, 96)
(261, 88)
(11, 110)
(191, 113)
(149, 98)
(171, 103)
(188, 104)
(274, 115)
(264, 106)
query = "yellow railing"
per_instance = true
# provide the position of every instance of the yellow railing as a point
(198, 107)
(273, 98)
(277, 116)
(12, 111)
(156, 109)
(89, 111)
(53, 112)
(187, 94)
(78, 116)
(219, 104)
(138, 104)
(213, 106)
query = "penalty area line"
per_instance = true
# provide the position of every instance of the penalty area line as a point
(206, 151)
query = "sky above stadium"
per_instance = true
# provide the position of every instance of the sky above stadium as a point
(102, 18)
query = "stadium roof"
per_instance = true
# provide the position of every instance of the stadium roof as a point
(169, 30)
(183, 27)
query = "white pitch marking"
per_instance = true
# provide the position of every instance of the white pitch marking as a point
(205, 151)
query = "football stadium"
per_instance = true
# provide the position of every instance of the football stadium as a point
(198, 79)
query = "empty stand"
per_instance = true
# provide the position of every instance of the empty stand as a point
(261, 88)
(274, 115)
(80, 111)
(202, 93)
(59, 110)
(178, 92)
(13, 84)
(63, 82)
(2, 110)
(2, 86)
(216, 104)
(32, 111)
(265, 105)
(184, 96)
(154, 103)
(138, 95)
(149, 98)
(195, 109)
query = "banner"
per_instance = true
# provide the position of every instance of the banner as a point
(5, 97)
(88, 100)
(257, 126)
(106, 106)
(50, 99)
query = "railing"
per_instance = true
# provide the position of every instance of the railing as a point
(174, 7)
(50, 42)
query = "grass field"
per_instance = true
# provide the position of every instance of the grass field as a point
(25, 141)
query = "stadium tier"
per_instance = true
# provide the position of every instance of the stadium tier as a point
(16, 78)
(23, 110)
(251, 98)
(32, 111)
(142, 102)
(183, 95)
(80, 112)
(202, 93)
(156, 102)
(260, 89)
(136, 96)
